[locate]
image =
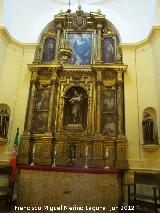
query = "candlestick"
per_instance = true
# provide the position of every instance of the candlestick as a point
(86, 166)
(107, 153)
(55, 151)
(54, 160)
(33, 154)
(87, 150)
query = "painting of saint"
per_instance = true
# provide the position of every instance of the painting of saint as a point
(43, 99)
(109, 126)
(81, 46)
(49, 50)
(40, 122)
(108, 50)
(109, 100)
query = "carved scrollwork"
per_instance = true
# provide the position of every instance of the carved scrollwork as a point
(79, 21)
(37, 56)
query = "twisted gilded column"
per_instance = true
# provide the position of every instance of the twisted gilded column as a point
(31, 101)
(99, 44)
(120, 104)
(52, 104)
(98, 101)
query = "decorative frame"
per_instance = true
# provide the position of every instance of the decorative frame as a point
(43, 99)
(109, 49)
(109, 124)
(86, 40)
(109, 100)
(49, 51)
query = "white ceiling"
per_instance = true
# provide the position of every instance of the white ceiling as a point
(25, 19)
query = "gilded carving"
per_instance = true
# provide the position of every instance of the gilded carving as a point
(80, 102)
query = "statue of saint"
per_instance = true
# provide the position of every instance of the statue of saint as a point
(148, 128)
(75, 102)
(4, 123)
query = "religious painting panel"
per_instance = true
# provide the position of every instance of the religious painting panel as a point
(43, 99)
(109, 100)
(72, 151)
(108, 47)
(49, 49)
(40, 122)
(109, 124)
(81, 45)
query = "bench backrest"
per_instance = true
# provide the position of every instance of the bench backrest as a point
(5, 170)
(147, 178)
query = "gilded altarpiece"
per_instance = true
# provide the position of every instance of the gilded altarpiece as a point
(76, 106)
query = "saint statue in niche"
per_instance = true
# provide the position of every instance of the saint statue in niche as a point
(148, 128)
(4, 123)
(75, 109)
(75, 102)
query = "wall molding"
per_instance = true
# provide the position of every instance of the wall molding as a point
(5, 36)
(153, 35)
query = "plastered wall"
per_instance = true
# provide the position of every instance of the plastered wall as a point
(14, 84)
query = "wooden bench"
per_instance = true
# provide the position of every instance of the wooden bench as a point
(144, 193)
(6, 185)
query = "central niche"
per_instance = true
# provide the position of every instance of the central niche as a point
(75, 108)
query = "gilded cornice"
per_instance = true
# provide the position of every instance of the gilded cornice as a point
(48, 66)
(154, 33)
(116, 67)
(77, 68)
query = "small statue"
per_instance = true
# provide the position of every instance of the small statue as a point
(37, 55)
(4, 123)
(75, 102)
(148, 128)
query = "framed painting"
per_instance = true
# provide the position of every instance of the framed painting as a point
(81, 45)
(43, 99)
(109, 98)
(49, 49)
(40, 122)
(108, 50)
(109, 125)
